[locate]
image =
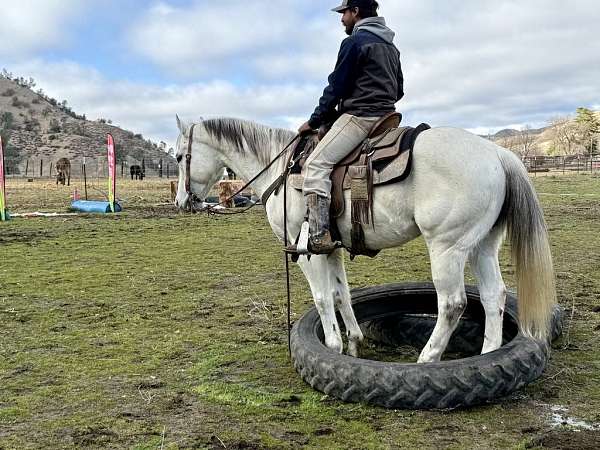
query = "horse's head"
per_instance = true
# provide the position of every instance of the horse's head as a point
(205, 165)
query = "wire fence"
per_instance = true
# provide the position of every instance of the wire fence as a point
(564, 164)
(93, 167)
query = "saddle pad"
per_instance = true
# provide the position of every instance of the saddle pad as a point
(395, 169)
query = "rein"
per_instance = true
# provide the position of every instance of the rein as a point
(212, 209)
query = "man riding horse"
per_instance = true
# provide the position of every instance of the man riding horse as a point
(365, 85)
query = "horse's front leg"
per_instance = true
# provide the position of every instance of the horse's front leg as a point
(343, 300)
(318, 274)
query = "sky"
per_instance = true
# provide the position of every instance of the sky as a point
(480, 65)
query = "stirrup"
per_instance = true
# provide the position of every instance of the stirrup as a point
(301, 245)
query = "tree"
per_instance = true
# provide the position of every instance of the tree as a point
(54, 126)
(120, 154)
(564, 135)
(6, 74)
(12, 155)
(524, 142)
(588, 128)
(6, 120)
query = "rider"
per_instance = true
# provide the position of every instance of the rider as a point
(365, 85)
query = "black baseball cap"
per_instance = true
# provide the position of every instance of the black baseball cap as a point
(353, 4)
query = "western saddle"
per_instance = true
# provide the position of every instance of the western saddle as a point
(384, 157)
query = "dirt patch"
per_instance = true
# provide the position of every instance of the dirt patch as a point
(29, 237)
(568, 440)
(92, 436)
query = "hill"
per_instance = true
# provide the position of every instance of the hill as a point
(511, 132)
(39, 127)
(564, 135)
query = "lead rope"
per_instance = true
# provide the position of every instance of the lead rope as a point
(287, 269)
(211, 210)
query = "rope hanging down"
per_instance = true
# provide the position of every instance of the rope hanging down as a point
(274, 187)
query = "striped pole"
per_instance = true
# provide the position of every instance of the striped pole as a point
(2, 185)
(112, 179)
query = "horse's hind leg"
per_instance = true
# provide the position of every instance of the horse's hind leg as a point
(447, 269)
(343, 300)
(318, 273)
(492, 291)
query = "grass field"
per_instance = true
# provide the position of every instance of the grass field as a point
(156, 329)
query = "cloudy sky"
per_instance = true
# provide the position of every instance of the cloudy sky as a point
(481, 65)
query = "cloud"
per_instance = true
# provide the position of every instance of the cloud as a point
(195, 38)
(237, 38)
(466, 62)
(32, 25)
(150, 109)
(472, 64)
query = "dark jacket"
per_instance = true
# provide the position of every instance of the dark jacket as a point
(367, 80)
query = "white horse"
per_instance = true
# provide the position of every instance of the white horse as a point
(463, 193)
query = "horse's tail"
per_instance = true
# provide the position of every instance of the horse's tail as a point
(524, 220)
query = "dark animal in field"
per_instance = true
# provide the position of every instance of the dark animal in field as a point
(137, 171)
(63, 171)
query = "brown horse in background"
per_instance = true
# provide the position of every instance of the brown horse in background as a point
(63, 171)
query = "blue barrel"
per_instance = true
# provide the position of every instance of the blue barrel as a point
(90, 206)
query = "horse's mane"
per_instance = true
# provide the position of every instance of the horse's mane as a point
(257, 138)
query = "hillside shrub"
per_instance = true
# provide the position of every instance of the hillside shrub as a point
(9, 92)
(54, 126)
(6, 120)
(32, 124)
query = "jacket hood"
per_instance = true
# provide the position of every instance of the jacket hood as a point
(375, 25)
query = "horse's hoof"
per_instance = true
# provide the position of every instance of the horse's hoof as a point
(353, 349)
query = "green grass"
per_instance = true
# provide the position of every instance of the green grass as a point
(155, 328)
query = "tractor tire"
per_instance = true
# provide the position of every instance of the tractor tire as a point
(443, 385)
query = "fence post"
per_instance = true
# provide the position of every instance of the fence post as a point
(84, 179)
(41, 167)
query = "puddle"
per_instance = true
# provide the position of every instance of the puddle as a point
(560, 418)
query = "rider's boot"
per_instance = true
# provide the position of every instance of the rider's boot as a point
(320, 242)
(318, 220)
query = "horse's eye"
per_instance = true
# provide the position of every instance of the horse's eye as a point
(179, 158)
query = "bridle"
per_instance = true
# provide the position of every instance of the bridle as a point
(192, 197)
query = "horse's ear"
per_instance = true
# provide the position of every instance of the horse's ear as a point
(183, 128)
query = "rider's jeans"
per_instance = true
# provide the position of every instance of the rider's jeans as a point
(345, 135)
